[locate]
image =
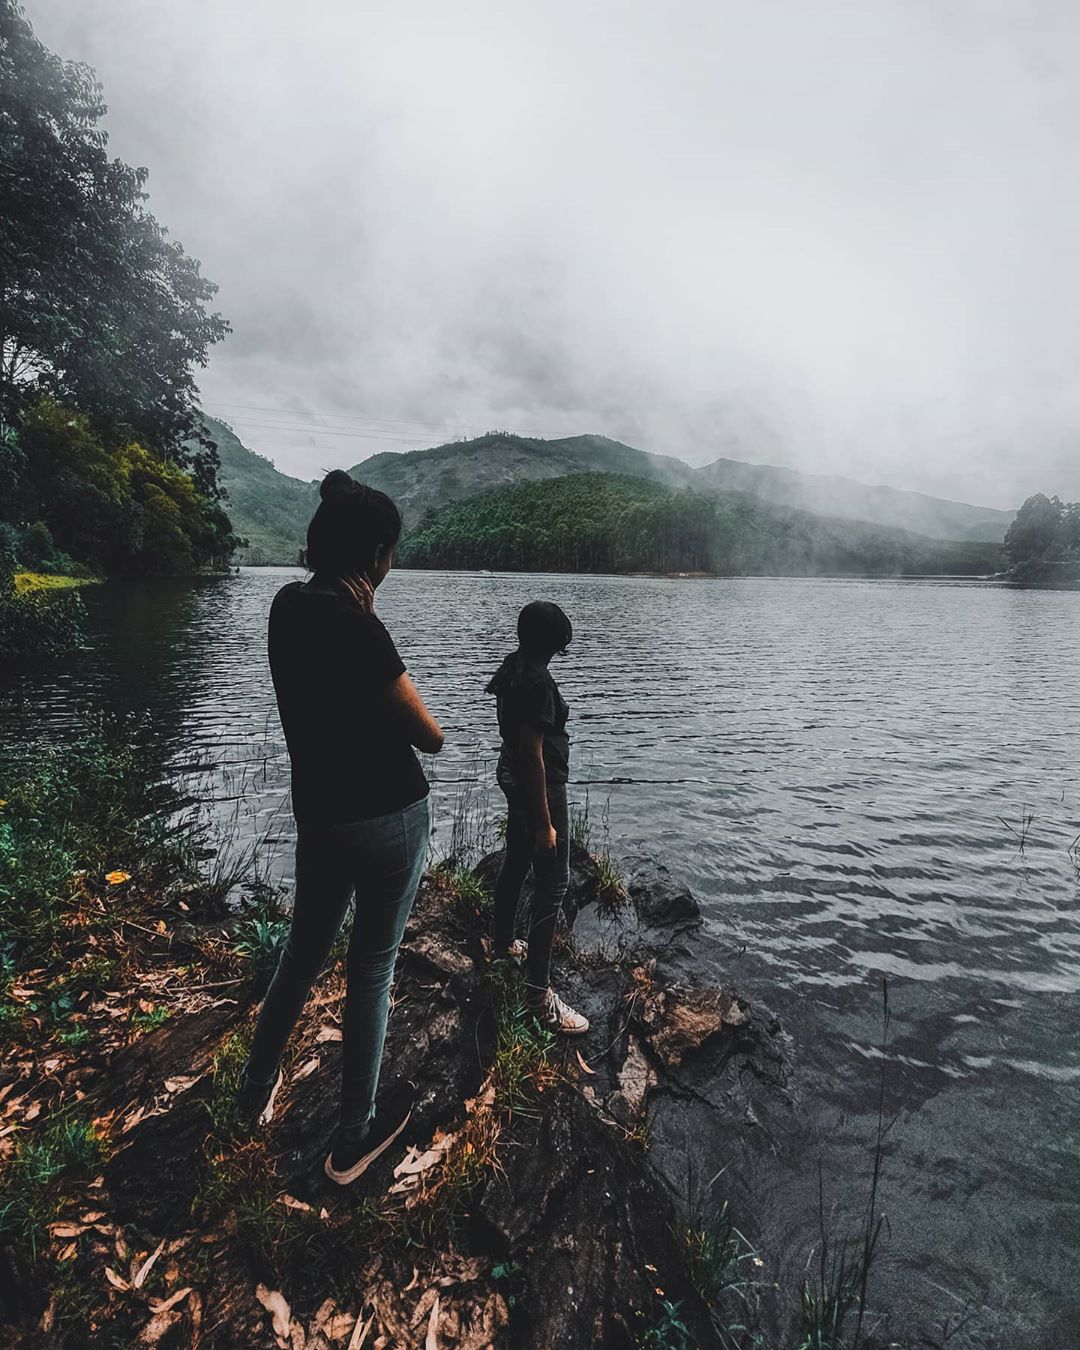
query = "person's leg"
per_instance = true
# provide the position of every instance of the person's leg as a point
(551, 876)
(515, 868)
(324, 883)
(393, 857)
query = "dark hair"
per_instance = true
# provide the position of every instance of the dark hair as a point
(351, 522)
(542, 627)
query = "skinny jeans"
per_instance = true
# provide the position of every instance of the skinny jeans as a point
(551, 876)
(382, 861)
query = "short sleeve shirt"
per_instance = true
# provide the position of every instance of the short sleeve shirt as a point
(527, 694)
(330, 662)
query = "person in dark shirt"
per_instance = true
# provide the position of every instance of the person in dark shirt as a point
(534, 765)
(351, 718)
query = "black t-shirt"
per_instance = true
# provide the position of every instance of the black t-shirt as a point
(526, 694)
(329, 663)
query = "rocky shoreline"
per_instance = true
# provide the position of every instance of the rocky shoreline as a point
(527, 1206)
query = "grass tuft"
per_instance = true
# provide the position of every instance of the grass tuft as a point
(31, 1193)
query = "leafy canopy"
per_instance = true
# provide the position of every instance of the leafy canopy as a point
(99, 309)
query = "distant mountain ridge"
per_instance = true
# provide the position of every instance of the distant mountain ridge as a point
(271, 509)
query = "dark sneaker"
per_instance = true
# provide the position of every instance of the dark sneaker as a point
(352, 1156)
(555, 1015)
(255, 1101)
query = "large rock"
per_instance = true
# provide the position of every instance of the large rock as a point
(581, 891)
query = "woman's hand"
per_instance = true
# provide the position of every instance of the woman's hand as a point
(546, 838)
(361, 591)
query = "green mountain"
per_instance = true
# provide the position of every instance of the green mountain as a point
(421, 479)
(425, 478)
(267, 508)
(272, 510)
(618, 523)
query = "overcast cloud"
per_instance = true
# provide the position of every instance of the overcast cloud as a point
(838, 235)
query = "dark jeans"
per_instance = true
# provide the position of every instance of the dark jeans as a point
(382, 860)
(551, 875)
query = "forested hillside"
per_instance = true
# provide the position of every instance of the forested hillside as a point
(618, 523)
(424, 478)
(269, 510)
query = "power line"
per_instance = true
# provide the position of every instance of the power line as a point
(347, 417)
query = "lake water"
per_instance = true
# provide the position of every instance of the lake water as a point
(858, 779)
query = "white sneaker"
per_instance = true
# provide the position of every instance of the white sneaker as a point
(555, 1015)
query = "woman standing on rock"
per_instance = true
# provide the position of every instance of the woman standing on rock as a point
(351, 718)
(534, 765)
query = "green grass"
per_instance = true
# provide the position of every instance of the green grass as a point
(611, 893)
(261, 931)
(668, 1331)
(30, 1190)
(722, 1266)
(27, 582)
(522, 1047)
(467, 898)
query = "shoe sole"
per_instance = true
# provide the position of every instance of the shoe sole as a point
(361, 1165)
(266, 1115)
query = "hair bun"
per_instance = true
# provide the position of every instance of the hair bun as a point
(337, 484)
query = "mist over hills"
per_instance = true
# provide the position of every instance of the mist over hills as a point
(271, 510)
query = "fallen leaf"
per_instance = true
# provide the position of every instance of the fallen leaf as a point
(115, 1280)
(158, 1327)
(360, 1331)
(93, 1215)
(133, 1119)
(431, 1340)
(158, 1305)
(324, 1214)
(117, 878)
(415, 1162)
(144, 1270)
(66, 1229)
(291, 1202)
(275, 1304)
(328, 1034)
(33, 1112)
(66, 1253)
(306, 1070)
(160, 925)
(180, 1084)
(581, 1060)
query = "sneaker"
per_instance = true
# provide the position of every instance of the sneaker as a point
(353, 1155)
(255, 1101)
(555, 1015)
(518, 951)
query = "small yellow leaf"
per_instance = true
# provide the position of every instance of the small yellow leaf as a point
(117, 878)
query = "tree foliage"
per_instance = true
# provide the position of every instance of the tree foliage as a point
(1046, 529)
(120, 511)
(617, 523)
(98, 307)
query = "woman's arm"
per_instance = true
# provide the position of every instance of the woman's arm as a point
(534, 781)
(403, 703)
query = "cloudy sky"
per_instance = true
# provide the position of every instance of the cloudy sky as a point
(840, 235)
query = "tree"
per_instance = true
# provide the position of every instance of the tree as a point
(1034, 534)
(98, 307)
